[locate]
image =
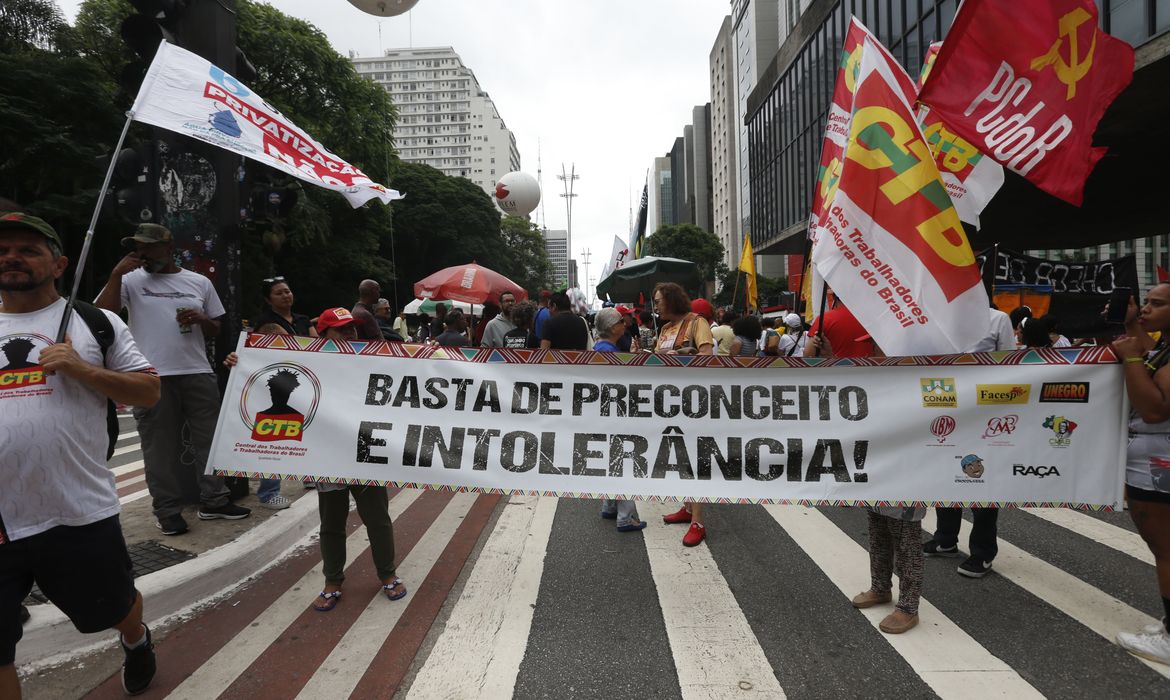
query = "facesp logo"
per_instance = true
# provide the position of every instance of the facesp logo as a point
(939, 392)
(273, 415)
(941, 427)
(1062, 429)
(993, 394)
(1064, 392)
(1001, 426)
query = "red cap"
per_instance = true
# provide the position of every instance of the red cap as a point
(624, 310)
(703, 308)
(334, 318)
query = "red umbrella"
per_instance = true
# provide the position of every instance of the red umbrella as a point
(470, 283)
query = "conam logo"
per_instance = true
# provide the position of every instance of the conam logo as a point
(1064, 392)
(994, 394)
(939, 392)
(273, 398)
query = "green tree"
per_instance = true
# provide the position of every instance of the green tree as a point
(688, 242)
(48, 146)
(324, 247)
(527, 262)
(443, 221)
(733, 292)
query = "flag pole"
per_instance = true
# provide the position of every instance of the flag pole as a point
(821, 315)
(84, 257)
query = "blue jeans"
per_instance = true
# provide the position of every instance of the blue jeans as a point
(268, 489)
(626, 511)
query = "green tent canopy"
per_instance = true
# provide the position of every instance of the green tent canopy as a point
(638, 278)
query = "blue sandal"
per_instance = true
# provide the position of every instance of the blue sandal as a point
(330, 599)
(387, 587)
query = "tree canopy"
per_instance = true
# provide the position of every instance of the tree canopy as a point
(688, 242)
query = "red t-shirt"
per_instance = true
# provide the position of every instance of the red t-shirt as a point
(843, 329)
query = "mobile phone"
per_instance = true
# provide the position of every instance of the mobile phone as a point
(1118, 305)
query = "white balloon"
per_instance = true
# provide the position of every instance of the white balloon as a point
(383, 8)
(517, 194)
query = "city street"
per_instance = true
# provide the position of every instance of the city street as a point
(539, 598)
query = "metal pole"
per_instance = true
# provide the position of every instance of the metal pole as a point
(84, 257)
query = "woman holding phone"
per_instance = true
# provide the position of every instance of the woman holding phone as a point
(1147, 467)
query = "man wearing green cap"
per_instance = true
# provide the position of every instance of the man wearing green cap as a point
(172, 311)
(59, 508)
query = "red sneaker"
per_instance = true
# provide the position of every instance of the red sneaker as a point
(682, 516)
(694, 535)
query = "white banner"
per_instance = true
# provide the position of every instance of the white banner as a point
(1018, 428)
(188, 95)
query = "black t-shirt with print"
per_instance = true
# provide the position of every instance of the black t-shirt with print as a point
(566, 331)
(520, 338)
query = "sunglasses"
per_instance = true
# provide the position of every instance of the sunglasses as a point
(272, 279)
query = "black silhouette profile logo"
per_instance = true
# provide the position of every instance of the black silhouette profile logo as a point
(17, 351)
(280, 421)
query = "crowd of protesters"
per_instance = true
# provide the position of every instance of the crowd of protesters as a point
(158, 364)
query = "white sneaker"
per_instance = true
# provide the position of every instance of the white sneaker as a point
(1155, 627)
(276, 503)
(1153, 646)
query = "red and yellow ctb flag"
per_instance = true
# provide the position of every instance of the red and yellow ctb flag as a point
(1026, 83)
(888, 239)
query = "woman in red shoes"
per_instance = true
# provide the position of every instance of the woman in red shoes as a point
(684, 333)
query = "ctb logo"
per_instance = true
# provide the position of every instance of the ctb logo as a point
(274, 413)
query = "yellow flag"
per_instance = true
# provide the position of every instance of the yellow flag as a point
(747, 264)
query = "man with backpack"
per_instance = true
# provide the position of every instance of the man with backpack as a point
(59, 524)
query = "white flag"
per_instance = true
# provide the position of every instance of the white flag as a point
(619, 255)
(188, 95)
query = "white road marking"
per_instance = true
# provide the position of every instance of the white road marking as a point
(947, 659)
(479, 652)
(221, 670)
(713, 645)
(1092, 607)
(1099, 531)
(340, 673)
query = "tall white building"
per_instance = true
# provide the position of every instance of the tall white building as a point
(445, 119)
(724, 161)
(556, 244)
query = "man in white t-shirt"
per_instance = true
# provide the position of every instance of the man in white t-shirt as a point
(59, 507)
(171, 312)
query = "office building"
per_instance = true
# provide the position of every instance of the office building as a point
(724, 161)
(445, 118)
(556, 244)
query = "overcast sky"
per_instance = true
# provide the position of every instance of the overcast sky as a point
(604, 84)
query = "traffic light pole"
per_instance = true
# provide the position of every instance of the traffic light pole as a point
(208, 28)
(84, 257)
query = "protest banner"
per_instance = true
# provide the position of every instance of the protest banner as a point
(1026, 83)
(186, 94)
(1045, 426)
(887, 239)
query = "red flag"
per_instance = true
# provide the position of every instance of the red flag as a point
(1027, 82)
(1163, 276)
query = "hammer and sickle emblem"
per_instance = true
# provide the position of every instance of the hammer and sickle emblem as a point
(1077, 66)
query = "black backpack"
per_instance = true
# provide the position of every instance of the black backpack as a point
(103, 332)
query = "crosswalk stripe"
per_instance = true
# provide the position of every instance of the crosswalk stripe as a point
(479, 651)
(1093, 608)
(715, 651)
(131, 497)
(948, 659)
(218, 672)
(131, 481)
(335, 678)
(126, 449)
(1099, 531)
(125, 468)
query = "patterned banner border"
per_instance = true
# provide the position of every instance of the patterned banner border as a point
(1089, 355)
(807, 502)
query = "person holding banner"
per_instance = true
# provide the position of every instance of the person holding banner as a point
(1147, 468)
(610, 326)
(895, 533)
(373, 506)
(684, 333)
